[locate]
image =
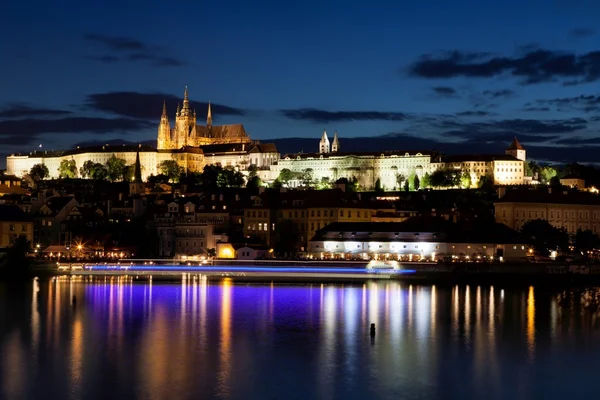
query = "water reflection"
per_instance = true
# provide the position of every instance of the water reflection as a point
(141, 339)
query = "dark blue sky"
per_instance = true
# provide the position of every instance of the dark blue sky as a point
(458, 76)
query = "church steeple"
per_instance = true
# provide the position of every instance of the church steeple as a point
(209, 116)
(137, 173)
(335, 146)
(324, 143)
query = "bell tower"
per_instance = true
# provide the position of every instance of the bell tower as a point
(335, 146)
(164, 130)
(515, 149)
(185, 121)
(324, 143)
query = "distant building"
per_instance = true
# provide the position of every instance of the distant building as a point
(392, 168)
(569, 210)
(573, 181)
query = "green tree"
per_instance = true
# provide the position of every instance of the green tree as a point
(416, 182)
(171, 169)
(276, 184)
(212, 252)
(67, 169)
(39, 172)
(286, 237)
(544, 237)
(437, 178)
(325, 183)
(229, 177)
(400, 180)
(426, 180)
(98, 172)
(307, 177)
(115, 168)
(252, 171)
(378, 188)
(465, 179)
(210, 175)
(254, 182)
(532, 169)
(546, 174)
(85, 171)
(486, 183)
(407, 185)
(285, 176)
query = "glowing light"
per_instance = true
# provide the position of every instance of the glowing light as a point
(177, 268)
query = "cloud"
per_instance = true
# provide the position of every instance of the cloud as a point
(129, 49)
(22, 110)
(514, 127)
(475, 113)
(581, 33)
(536, 66)
(498, 93)
(32, 127)
(585, 103)
(579, 141)
(445, 91)
(319, 116)
(537, 109)
(149, 105)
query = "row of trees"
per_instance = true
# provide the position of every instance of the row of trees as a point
(544, 238)
(115, 169)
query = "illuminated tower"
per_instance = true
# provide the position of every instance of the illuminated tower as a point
(185, 121)
(324, 144)
(335, 146)
(164, 130)
(209, 117)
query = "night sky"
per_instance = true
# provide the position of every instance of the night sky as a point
(458, 76)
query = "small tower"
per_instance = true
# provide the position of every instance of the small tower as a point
(335, 146)
(164, 130)
(137, 186)
(324, 143)
(515, 149)
(209, 116)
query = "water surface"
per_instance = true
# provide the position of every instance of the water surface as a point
(139, 340)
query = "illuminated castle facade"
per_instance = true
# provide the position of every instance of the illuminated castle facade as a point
(187, 133)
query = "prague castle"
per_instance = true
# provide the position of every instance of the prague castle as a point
(194, 146)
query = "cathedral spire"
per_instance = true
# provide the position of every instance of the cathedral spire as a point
(335, 146)
(209, 116)
(185, 110)
(164, 113)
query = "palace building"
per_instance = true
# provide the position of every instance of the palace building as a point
(192, 146)
(391, 167)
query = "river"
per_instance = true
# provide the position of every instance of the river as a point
(122, 339)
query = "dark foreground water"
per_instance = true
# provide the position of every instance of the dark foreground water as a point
(132, 340)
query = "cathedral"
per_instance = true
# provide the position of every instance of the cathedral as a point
(187, 133)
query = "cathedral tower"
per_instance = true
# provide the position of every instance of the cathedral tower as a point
(185, 122)
(335, 146)
(164, 130)
(324, 144)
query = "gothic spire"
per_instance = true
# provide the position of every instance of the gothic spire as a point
(137, 173)
(209, 116)
(186, 103)
(164, 113)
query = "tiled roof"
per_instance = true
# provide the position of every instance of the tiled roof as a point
(515, 145)
(478, 158)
